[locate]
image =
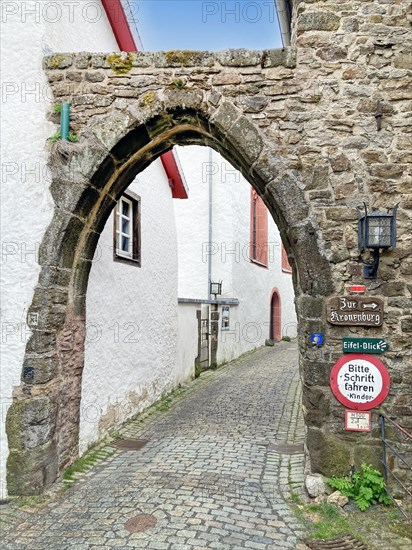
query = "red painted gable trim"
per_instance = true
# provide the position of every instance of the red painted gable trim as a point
(125, 41)
(172, 170)
(120, 26)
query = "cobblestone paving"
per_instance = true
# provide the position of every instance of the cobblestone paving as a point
(208, 472)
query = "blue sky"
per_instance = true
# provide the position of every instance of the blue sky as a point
(206, 25)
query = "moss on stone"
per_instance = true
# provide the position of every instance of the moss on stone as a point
(185, 58)
(147, 99)
(120, 64)
(329, 455)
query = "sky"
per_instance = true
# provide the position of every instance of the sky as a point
(206, 25)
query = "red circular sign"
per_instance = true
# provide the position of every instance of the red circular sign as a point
(360, 381)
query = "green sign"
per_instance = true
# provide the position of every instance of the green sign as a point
(364, 345)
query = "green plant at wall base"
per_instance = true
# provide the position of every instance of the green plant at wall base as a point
(55, 137)
(72, 137)
(365, 487)
(57, 108)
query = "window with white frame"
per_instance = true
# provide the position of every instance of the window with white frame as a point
(127, 229)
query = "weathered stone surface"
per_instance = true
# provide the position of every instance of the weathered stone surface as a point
(31, 422)
(246, 139)
(340, 163)
(39, 369)
(183, 58)
(254, 104)
(328, 454)
(239, 58)
(315, 485)
(318, 21)
(94, 76)
(285, 57)
(224, 117)
(58, 61)
(338, 499)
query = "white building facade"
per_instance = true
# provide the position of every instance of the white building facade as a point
(215, 244)
(142, 326)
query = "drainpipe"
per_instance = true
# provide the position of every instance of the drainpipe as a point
(283, 10)
(65, 121)
(210, 182)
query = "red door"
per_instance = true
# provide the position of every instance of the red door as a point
(275, 317)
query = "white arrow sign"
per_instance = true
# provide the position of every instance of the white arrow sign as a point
(373, 305)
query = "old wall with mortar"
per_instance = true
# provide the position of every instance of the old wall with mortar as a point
(300, 124)
(27, 206)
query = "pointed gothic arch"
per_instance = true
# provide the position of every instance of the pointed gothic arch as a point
(87, 179)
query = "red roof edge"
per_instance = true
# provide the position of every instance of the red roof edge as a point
(173, 172)
(124, 37)
(120, 25)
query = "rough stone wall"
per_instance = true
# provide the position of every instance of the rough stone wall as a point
(300, 124)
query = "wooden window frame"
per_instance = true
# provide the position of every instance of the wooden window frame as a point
(135, 259)
(258, 231)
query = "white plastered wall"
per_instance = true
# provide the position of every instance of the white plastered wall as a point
(28, 32)
(251, 284)
(131, 313)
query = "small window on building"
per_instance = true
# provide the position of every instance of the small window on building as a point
(225, 317)
(286, 267)
(258, 230)
(127, 229)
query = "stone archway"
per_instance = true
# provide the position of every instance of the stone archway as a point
(87, 180)
(268, 118)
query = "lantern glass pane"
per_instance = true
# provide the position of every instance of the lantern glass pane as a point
(379, 232)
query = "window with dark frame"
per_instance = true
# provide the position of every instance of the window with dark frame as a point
(225, 317)
(258, 230)
(127, 248)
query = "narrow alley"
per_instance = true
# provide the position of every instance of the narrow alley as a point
(208, 473)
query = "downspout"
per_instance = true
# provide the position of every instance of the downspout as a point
(65, 121)
(210, 182)
(214, 309)
(284, 19)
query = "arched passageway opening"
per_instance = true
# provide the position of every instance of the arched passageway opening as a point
(88, 180)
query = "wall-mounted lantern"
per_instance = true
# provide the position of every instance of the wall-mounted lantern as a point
(216, 288)
(376, 230)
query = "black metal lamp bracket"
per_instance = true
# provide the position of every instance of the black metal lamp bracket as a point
(371, 271)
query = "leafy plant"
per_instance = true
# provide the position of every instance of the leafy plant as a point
(57, 108)
(73, 138)
(55, 137)
(365, 487)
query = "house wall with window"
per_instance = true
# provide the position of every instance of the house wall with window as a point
(248, 273)
(29, 31)
(131, 341)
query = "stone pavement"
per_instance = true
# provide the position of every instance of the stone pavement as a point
(209, 476)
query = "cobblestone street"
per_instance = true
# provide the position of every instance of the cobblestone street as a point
(209, 476)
